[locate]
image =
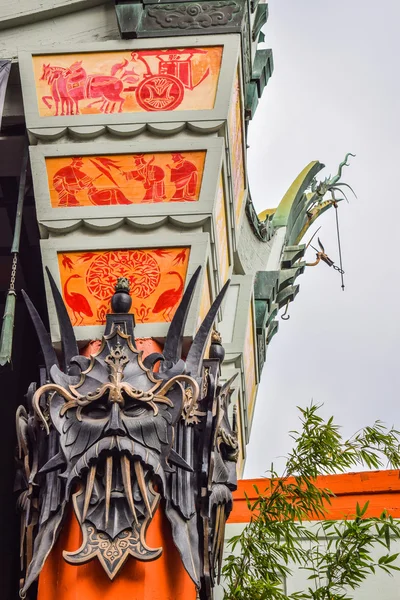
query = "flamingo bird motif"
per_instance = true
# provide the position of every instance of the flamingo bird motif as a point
(77, 302)
(169, 299)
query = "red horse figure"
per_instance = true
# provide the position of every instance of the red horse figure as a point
(69, 86)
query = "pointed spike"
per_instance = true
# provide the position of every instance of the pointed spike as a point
(173, 343)
(49, 354)
(109, 469)
(195, 355)
(89, 489)
(68, 341)
(228, 383)
(126, 477)
(177, 460)
(142, 484)
(56, 462)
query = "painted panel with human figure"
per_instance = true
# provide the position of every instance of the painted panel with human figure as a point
(125, 179)
(156, 275)
(125, 81)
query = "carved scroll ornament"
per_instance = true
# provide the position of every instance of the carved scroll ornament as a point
(195, 15)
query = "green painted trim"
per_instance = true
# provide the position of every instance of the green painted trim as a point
(272, 330)
(6, 341)
(260, 19)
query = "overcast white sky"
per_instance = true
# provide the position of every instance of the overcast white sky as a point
(335, 89)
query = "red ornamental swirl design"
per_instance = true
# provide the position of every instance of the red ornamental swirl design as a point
(139, 266)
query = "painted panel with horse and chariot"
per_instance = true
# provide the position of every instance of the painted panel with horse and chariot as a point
(124, 81)
(124, 179)
(156, 275)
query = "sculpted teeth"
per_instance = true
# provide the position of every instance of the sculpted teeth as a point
(142, 486)
(126, 478)
(109, 469)
(89, 489)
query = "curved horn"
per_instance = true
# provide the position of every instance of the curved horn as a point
(195, 355)
(68, 341)
(228, 384)
(61, 378)
(173, 343)
(151, 359)
(344, 163)
(49, 354)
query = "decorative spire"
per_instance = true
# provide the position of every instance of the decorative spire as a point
(216, 349)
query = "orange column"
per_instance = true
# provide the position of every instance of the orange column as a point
(162, 579)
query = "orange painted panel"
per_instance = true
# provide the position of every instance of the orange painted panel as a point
(160, 579)
(236, 144)
(125, 178)
(380, 488)
(126, 81)
(222, 234)
(157, 277)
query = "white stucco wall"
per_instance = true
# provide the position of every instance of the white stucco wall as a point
(377, 587)
(93, 24)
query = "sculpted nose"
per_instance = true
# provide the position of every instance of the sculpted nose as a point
(114, 425)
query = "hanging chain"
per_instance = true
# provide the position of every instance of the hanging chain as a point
(338, 269)
(13, 272)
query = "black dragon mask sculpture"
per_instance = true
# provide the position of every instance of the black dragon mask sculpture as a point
(115, 435)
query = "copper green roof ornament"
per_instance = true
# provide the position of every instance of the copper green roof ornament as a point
(332, 184)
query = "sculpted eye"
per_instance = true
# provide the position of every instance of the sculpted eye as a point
(95, 411)
(135, 409)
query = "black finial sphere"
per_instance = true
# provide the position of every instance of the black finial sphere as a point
(121, 301)
(216, 348)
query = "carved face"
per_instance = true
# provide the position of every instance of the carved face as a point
(115, 436)
(116, 432)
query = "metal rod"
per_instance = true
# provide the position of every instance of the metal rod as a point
(20, 204)
(6, 338)
(339, 245)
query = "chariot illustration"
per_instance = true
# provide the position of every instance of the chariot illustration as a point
(157, 79)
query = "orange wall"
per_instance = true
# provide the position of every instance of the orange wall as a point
(381, 488)
(156, 275)
(137, 580)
